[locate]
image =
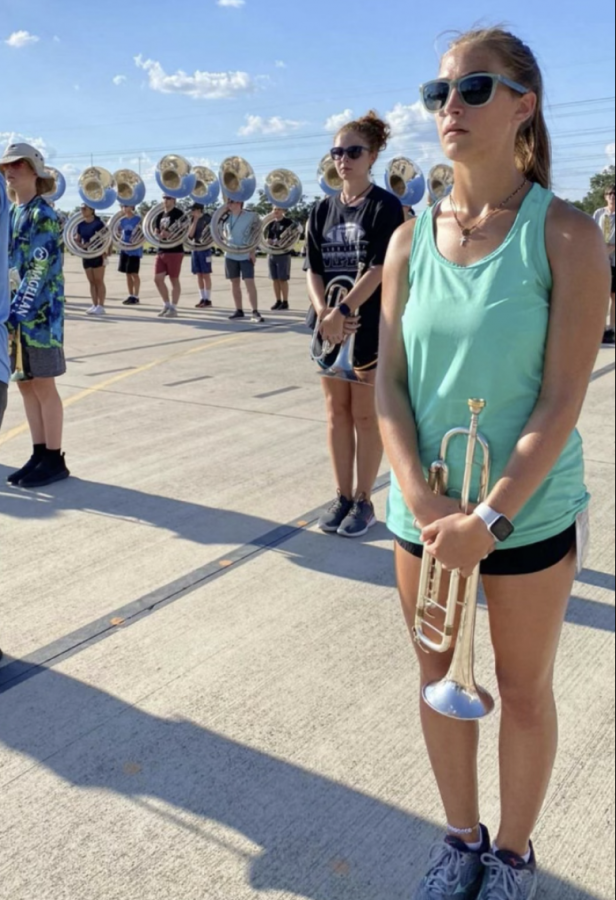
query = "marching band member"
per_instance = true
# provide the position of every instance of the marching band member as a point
(507, 287)
(201, 259)
(36, 320)
(5, 301)
(240, 266)
(130, 260)
(347, 231)
(606, 220)
(169, 261)
(94, 268)
(280, 264)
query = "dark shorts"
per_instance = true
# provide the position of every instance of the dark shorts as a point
(280, 267)
(202, 262)
(235, 268)
(97, 263)
(129, 265)
(4, 392)
(613, 280)
(519, 560)
(169, 264)
(41, 362)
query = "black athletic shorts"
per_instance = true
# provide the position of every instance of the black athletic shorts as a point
(4, 391)
(129, 265)
(519, 560)
(97, 263)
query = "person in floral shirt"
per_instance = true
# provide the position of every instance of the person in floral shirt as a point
(36, 320)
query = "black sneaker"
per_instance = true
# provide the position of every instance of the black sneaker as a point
(359, 521)
(331, 521)
(277, 305)
(49, 470)
(238, 314)
(131, 301)
(257, 318)
(284, 306)
(609, 338)
(26, 470)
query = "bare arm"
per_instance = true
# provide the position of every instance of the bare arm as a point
(577, 320)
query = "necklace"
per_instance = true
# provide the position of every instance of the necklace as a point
(349, 200)
(467, 232)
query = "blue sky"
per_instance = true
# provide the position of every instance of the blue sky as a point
(126, 83)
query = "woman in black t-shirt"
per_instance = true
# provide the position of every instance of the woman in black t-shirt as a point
(346, 232)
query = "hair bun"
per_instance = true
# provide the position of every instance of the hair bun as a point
(374, 129)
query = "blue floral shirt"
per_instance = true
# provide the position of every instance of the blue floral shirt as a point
(5, 368)
(35, 251)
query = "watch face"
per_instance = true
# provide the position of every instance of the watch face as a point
(502, 529)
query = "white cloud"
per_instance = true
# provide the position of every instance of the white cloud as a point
(611, 152)
(13, 137)
(337, 121)
(119, 80)
(234, 3)
(275, 125)
(21, 39)
(280, 64)
(200, 85)
(410, 119)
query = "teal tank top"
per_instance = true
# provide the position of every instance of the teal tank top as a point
(481, 331)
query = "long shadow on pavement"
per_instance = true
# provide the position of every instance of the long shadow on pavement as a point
(319, 839)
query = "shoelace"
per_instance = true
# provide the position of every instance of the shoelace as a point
(445, 875)
(504, 882)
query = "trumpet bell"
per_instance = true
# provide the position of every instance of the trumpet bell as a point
(97, 188)
(175, 177)
(130, 188)
(283, 189)
(238, 179)
(440, 182)
(406, 181)
(60, 185)
(207, 187)
(465, 703)
(329, 180)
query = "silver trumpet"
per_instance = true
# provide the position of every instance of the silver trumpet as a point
(458, 695)
(343, 368)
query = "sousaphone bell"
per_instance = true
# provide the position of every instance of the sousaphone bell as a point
(239, 183)
(97, 189)
(284, 190)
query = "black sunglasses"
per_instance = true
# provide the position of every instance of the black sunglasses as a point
(338, 153)
(475, 90)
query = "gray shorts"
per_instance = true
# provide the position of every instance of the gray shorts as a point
(280, 267)
(236, 268)
(41, 362)
(4, 392)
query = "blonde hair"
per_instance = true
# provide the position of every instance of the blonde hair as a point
(372, 128)
(533, 148)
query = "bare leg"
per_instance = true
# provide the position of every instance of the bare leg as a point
(455, 772)
(278, 291)
(161, 286)
(532, 606)
(207, 283)
(251, 288)
(369, 443)
(92, 286)
(176, 291)
(52, 411)
(341, 432)
(34, 414)
(236, 290)
(284, 288)
(101, 287)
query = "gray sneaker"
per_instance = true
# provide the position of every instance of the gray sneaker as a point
(164, 312)
(331, 521)
(172, 312)
(360, 520)
(509, 877)
(456, 872)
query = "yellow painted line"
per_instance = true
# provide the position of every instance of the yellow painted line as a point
(104, 385)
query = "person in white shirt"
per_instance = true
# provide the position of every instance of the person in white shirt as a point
(606, 220)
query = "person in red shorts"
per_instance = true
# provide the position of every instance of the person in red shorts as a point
(169, 261)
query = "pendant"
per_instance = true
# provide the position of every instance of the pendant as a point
(465, 237)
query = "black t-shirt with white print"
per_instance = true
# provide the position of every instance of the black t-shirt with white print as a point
(341, 238)
(164, 221)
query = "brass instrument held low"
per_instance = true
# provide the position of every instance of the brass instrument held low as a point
(458, 695)
(343, 368)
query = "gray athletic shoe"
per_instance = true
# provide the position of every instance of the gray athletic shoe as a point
(456, 872)
(360, 519)
(331, 521)
(509, 877)
(172, 313)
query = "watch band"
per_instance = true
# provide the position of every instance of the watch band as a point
(498, 525)
(487, 515)
(346, 310)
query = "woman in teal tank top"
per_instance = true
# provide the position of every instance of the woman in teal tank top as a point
(506, 303)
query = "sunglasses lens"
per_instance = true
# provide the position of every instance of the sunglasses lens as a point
(436, 95)
(476, 90)
(354, 152)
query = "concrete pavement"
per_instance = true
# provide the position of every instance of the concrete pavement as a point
(204, 697)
